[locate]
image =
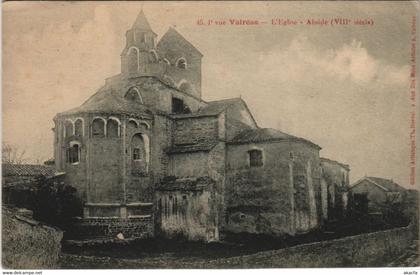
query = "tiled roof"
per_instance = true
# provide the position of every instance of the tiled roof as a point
(109, 101)
(216, 107)
(187, 148)
(213, 108)
(28, 170)
(264, 135)
(387, 184)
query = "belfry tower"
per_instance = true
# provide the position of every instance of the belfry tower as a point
(140, 50)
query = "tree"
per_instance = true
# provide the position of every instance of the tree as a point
(13, 155)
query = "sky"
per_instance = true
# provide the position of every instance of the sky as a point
(344, 87)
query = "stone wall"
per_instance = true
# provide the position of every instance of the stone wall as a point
(187, 208)
(366, 250)
(27, 244)
(335, 185)
(108, 228)
(193, 164)
(195, 130)
(105, 173)
(162, 132)
(280, 197)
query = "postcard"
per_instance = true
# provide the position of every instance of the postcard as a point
(210, 135)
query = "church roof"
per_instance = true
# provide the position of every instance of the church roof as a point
(218, 106)
(266, 135)
(109, 101)
(173, 34)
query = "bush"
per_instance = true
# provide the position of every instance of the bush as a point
(55, 203)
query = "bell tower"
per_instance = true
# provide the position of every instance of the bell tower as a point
(139, 50)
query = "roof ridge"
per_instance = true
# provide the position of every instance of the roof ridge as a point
(171, 29)
(226, 99)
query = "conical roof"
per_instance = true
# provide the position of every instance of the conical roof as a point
(141, 22)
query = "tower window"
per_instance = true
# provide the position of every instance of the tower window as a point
(255, 158)
(133, 59)
(73, 154)
(181, 63)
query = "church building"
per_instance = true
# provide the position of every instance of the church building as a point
(149, 157)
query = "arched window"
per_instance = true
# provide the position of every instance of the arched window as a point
(78, 127)
(133, 94)
(133, 59)
(139, 154)
(68, 128)
(153, 56)
(73, 153)
(112, 128)
(138, 148)
(181, 63)
(255, 158)
(98, 127)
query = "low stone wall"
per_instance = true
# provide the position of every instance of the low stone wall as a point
(27, 244)
(366, 250)
(376, 249)
(98, 228)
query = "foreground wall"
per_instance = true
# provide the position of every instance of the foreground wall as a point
(26, 244)
(366, 250)
(187, 208)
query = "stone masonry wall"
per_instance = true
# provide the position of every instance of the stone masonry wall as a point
(187, 212)
(162, 132)
(280, 197)
(195, 130)
(365, 250)
(131, 228)
(193, 164)
(105, 170)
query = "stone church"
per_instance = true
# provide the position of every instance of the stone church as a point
(149, 156)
